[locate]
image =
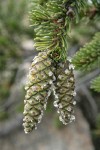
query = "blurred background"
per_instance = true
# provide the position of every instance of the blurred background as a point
(16, 54)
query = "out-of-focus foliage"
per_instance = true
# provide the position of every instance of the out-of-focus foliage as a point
(96, 84)
(13, 29)
(88, 57)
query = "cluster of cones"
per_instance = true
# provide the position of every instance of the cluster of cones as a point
(43, 78)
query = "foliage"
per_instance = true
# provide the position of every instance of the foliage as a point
(88, 57)
(96, 84)
(12, 27)
(13, 30)
(51, 25)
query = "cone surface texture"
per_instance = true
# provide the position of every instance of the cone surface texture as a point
(38, 89)
(64, 94)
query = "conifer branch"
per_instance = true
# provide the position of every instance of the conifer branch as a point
(51, 21)
(95, 84)
(51, 24)
(88, 57)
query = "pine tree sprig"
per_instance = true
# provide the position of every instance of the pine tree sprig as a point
(95, 84)
(88, 57)
(51, 24)
(52, 70)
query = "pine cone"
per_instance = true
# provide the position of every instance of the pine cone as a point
(37, 89)
(64, 92)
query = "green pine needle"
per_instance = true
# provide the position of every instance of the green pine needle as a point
(96, 84)
(51, 23)
(88, 57)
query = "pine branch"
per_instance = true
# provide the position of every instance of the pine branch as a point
(49, 28)
(51, 25)
(95, 84)
(88, 57)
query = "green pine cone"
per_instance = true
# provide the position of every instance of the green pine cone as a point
(65, 92)
(38, 88)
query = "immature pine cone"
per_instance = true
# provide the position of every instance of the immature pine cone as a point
(64, 93)
(37, 89)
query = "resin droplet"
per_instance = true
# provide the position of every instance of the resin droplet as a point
(59, 76)
(60, 106)
(55, 104)
(74, 102)
(71, 66)
(69, 108)
(74, 93)
(50, 82)
(66, 71)
(50, 73)
(72, 118)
